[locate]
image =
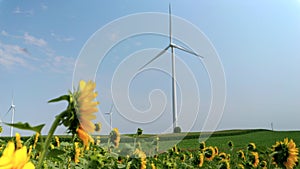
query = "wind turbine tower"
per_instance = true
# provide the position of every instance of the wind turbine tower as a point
(12, 108)
(110, 116)
(173, 46)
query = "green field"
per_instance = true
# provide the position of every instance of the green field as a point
(186, 155)
(240, 138)
(190, 141)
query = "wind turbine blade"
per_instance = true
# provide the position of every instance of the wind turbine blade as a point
(8, 111)
(186, 50)
(170, 24)
(12, 98)
(158, 55)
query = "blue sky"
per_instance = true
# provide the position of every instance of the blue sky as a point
(257, 43)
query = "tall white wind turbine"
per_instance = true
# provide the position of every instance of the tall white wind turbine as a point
(172, 45)
(12, 108)
(110, 116)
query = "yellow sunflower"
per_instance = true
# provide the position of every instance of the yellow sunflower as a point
(201, 160)
(285, 154)
(240, 166)
(12, 158)
(142, 156)
(86, 106)
(153, 166)
(18, 141)
(115, 137)
(254, 159)
(57, 141)
(202, 145)
(36, 139)
(98, 127)
(251, 146)
(241, 155)
(77, 153)
(224, 164)
(85, 137)
(216, 150)
(222, 156)
(209, 153)
(263, 165)
(230, 144)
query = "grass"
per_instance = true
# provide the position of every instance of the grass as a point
(262, 138)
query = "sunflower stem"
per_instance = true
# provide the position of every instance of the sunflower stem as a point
(55, 124)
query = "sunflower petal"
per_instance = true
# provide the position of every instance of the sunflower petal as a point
(82, 84)
(20, 157)
(29, 165)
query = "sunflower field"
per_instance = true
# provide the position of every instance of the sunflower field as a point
(80, 149)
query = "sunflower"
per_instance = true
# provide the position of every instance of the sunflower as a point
(216, 150)
(240, 166)
(285, 154)
(81, 108)
(98, 127)
(57, 141)
(222, 156)
(98, 140)
(202, 145)
(251, 146)
(153, 166)
(15, 158)
(77, 152)
(201, 160)
(115, 137)
(182, 157)
(263, 165)
(18, 141)
(36, 139)
(230, 144)
(85, 137)
(253, 159)
(142, 156)
(86, 106)
(209, 153)
(241, 155)
(224, 164)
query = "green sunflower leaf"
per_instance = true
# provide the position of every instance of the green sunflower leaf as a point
(26, 126)
(64, 97)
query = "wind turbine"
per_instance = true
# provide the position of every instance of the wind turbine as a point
(172, 45)
(110, 116)
(12, 108)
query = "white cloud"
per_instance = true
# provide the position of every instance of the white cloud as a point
(61, 38)
(56, 64)
(34, 41)
(4, 33)
(13, 55)
(16, 56)
(28, 39)
(18, 10)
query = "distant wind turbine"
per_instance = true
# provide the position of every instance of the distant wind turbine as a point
(110, 116)
(172, 45)
(12, 108)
